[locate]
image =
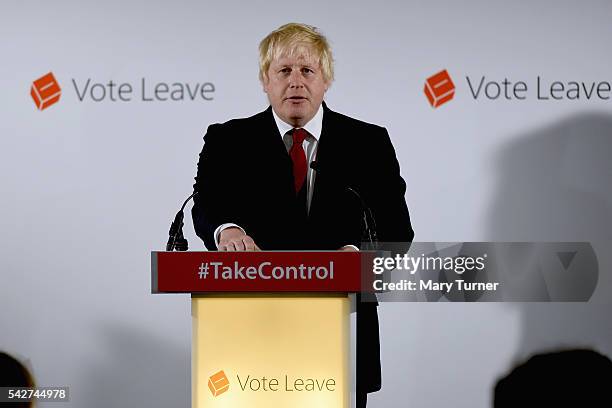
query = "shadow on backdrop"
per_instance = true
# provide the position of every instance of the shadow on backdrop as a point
(555, 184)
(136, 370)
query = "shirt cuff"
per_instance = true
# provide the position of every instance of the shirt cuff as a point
(221, 228)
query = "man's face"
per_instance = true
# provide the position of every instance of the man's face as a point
(295, 88)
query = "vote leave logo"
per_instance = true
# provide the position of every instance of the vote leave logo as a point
(439, 88)
(45, 91)
(218, 383)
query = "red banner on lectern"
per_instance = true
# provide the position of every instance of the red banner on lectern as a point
(189, 272)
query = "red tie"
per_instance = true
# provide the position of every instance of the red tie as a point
(298, 156)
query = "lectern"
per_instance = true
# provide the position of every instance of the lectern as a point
(270, 329)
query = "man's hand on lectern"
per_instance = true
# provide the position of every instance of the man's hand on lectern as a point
(234, 239)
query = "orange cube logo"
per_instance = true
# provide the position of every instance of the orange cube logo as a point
(218, 383)
(439, 88)
(45, 91)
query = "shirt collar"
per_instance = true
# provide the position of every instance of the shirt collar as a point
(313, 127)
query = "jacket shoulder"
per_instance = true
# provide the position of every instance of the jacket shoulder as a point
(236, 125)
(347, 121)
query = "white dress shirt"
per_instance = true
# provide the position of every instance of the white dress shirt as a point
(310, 143)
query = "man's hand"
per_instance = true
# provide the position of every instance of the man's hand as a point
(234, 239)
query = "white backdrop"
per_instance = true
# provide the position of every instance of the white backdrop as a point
(89, 188)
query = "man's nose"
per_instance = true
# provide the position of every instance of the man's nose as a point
(296, 79)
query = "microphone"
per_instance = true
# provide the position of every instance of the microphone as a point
(177, 241)
(368, 218)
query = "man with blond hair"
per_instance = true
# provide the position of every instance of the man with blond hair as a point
(260, 189)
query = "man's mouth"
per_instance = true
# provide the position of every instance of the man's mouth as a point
(296, 98)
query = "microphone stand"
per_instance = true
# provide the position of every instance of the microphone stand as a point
(369, 234)
(177, 241)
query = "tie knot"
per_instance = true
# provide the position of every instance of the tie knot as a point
(298, 136)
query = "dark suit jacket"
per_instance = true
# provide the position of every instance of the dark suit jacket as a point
(245, 177)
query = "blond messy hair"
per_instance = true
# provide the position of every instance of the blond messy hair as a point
(296, 39)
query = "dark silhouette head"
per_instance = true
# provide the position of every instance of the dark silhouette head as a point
(580, 378)
(14, 374)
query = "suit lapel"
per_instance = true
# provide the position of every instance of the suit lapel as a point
(272, 157)
(328, 130)
(325, 156)
(273, 142)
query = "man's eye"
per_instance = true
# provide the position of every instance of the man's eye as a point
(307, 71)
(285, 70)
